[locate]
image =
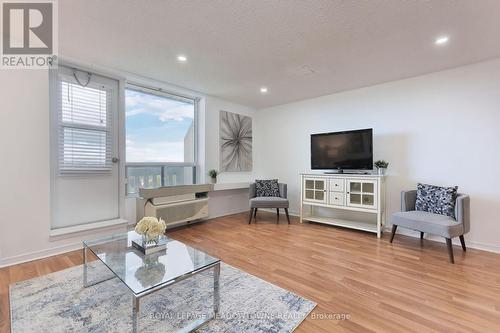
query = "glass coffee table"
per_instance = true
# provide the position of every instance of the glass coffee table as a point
(146, 274)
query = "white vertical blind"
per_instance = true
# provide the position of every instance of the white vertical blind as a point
(85, 127)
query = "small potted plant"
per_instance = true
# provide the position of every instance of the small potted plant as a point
(213, 176)
(381, 166)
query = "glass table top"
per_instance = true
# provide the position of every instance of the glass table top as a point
(144, 272)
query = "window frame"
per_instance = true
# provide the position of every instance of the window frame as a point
(129, 85)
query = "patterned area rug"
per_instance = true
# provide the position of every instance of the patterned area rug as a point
(58, 303)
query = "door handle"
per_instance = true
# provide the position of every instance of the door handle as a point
(115, 160)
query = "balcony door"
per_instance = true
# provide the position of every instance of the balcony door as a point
(84, 140)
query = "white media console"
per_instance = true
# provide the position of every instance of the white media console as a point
(321, 193)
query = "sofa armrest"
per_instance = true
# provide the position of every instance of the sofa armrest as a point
(408, 199)
(251, 192)
(283, 190)
(462, 211)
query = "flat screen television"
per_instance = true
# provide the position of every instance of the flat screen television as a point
(348, 150)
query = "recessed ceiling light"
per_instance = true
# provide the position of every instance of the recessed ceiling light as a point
(263, 90)
(441, 40)
(182, 58)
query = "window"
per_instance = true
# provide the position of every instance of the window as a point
(84, 127)
(160, 138)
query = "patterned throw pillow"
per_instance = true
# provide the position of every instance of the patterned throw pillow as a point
(267, 188)
(436, 199)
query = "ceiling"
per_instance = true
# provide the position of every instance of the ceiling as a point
(298, 49)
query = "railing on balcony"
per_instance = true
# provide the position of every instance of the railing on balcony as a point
(152, 175)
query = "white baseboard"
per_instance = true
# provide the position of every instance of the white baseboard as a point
(25, 257)
(483, 246)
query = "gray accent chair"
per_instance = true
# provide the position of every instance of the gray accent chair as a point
(436, 224)
(269, 202)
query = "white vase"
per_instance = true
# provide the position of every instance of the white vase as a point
(381, 171)
(213, 180)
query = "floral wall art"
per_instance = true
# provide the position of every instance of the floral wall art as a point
(235, 142)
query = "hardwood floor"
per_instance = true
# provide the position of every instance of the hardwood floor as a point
(380, 287)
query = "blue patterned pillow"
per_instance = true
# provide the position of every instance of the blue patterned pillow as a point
(267, 188)
(436, 199)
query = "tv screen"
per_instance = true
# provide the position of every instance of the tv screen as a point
(342, 150)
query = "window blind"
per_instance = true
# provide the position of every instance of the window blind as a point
(85, 129)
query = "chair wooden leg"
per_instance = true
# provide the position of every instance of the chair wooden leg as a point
(250, 217)
(393, 232)
(255, 212)
(421, 235)
(450, 250)
(277, 215)
(287, 216)
(462, 241)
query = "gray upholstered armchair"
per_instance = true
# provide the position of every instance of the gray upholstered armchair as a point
(436, 224)
(269, 202)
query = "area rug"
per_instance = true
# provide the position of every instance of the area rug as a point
(58, 303)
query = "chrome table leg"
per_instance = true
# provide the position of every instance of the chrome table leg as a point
(135, 314)
(85, 268)
(216, 289)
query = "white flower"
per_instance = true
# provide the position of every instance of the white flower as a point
(145, 224)
(151, 226)
(156, 229)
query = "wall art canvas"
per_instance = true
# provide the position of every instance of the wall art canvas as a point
(235, 142)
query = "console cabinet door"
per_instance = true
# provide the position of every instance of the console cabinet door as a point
(315, 190)
(362, 193)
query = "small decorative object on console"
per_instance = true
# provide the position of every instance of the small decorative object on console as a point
(152, 233)
(381, 166)
(213, 175)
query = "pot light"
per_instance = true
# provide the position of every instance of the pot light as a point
(182, 58)
(263, 90)
(442, 40)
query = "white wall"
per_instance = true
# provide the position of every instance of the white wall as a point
(441, 128)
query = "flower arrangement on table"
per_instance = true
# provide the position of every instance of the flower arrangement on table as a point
(151, 228)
